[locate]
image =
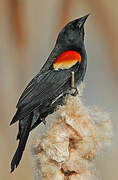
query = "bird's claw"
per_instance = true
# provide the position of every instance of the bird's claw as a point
(74, 91)
(44, 121)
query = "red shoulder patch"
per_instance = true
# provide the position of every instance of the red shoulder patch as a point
(66, 60)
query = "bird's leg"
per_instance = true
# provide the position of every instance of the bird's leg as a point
(74, 90)
(43, 120)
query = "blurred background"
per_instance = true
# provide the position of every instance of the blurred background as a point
(28, 30)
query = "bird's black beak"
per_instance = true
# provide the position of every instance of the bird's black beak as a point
(82, 20)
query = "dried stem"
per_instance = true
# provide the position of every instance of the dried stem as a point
(68, 147)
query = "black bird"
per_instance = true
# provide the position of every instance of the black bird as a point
(50, 86)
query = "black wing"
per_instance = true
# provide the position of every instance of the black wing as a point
(44, 88)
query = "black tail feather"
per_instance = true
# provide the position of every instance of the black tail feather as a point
(15, 118)
(26, 124)
(20, 130)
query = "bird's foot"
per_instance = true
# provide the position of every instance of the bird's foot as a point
(73, 91)
(44, 121)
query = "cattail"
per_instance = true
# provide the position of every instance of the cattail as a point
(67, 148)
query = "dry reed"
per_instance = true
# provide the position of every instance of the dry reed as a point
(67, 149)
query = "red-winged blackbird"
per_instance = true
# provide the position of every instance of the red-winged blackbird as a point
(50, 86)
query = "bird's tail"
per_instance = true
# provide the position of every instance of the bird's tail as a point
(24, 130)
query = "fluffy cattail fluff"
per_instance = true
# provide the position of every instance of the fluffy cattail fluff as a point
(67, 148)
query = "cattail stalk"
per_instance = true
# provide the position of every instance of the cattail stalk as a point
(67, 149)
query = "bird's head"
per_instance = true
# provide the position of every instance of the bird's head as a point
(73, 33)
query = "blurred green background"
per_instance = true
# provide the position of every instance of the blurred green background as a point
(28, 30)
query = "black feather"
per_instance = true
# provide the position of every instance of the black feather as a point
(15, 118)
(23, 136)
(47, 87)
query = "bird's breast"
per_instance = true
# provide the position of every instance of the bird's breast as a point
(66, 60)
